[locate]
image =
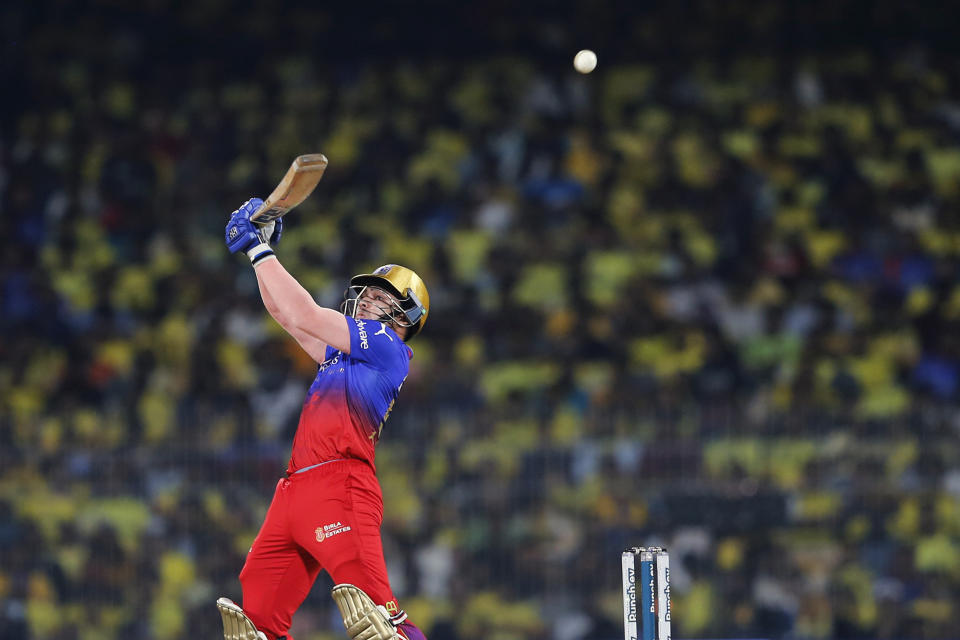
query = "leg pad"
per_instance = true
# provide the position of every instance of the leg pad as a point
(363, 619)
(236, 624)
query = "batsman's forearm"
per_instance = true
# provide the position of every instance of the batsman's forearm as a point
(268, 302)
(284, 298)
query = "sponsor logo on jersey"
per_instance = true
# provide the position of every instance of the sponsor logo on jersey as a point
(383, 330)
(330, 530)
(329, 362)
(361, 326)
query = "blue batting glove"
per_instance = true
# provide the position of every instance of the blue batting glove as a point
(241, 234)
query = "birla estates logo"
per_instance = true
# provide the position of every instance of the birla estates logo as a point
(330, 530)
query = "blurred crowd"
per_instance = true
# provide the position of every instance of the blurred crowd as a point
(704, 301)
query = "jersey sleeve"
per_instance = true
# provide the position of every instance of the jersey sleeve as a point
(376, 344)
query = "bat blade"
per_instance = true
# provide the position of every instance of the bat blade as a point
(298, 183)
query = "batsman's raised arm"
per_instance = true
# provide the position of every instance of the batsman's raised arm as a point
(298, 313)
(312, 326)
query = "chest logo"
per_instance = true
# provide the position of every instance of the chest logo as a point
(383, 330)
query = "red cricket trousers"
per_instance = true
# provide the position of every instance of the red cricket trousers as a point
(324, 518)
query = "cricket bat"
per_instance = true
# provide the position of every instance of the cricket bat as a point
(299, 182)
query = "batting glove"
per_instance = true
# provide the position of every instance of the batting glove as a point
(241, 234)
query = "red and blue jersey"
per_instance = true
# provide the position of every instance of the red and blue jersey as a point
(351, 397)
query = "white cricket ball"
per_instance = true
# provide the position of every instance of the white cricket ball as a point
(585, 61)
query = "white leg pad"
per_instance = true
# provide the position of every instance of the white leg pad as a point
(236, 624)
(363, 619)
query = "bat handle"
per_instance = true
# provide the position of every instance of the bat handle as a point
(259, 216)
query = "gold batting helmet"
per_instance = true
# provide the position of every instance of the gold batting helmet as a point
(405, 285)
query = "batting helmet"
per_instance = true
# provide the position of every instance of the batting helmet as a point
(413, 301)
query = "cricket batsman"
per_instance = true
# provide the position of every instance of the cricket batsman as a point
(326, 513)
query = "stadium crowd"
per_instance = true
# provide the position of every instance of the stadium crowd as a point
(704, 301)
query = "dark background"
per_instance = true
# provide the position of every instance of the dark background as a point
(703, 297)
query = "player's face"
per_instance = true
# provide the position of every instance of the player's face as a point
(377, 304)
(374, 303)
